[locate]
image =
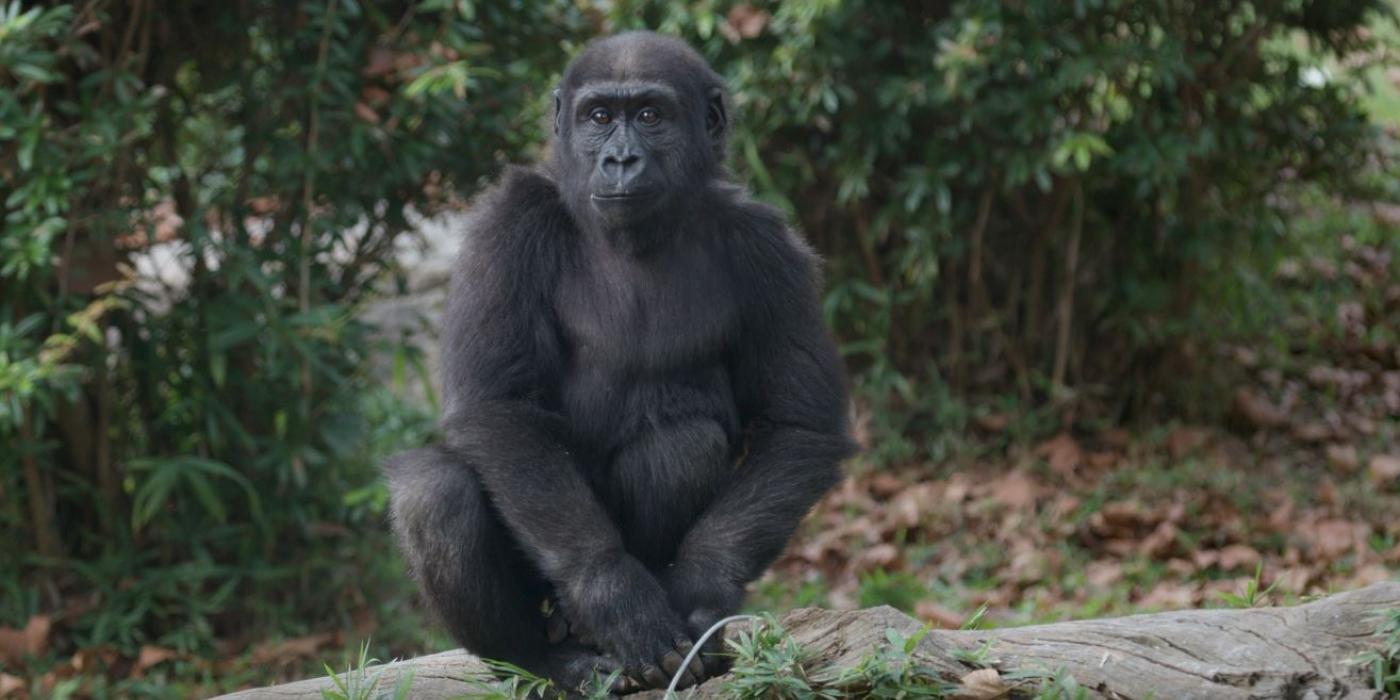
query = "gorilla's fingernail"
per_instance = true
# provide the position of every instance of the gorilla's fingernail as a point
(654, 677)
(671, 662)
(697, 667)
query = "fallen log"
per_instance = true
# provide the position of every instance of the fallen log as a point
(1306, 651)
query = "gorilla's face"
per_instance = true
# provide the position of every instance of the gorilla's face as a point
(633, 140)
(639, 125)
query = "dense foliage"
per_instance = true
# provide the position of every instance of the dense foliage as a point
(1017, 200)
(192, 446)
(1026, 199)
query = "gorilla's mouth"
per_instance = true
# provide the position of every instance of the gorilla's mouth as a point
(620, 196)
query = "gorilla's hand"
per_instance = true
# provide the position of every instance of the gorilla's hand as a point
(620, 606)
(702, 599)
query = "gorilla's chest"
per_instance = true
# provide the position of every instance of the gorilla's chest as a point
(646, 345)
(644, 319)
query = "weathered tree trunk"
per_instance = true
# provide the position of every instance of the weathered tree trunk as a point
(1300, 652)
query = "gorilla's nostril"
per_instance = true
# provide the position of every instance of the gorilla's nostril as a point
(621, 161)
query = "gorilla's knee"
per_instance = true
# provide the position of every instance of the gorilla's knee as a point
(434, 501)
(470, 571)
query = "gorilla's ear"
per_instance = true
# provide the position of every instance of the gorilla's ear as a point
(558, 112)
(716, 120)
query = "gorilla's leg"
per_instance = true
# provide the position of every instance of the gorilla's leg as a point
(471, 572)
(662, 482)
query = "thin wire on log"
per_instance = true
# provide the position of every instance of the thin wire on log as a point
(700, 643)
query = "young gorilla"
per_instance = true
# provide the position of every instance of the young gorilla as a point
(641, 401)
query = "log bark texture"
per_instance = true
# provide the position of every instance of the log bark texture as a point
(1302, 652)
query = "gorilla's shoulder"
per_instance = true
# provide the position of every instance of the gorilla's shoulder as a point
(766, 246)
(521, 197)
(522, 214)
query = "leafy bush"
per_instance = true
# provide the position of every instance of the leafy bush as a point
(197, 453)
(1020, 198)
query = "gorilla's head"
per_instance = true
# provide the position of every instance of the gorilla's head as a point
(639, 128)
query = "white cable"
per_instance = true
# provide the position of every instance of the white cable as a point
(671, 689)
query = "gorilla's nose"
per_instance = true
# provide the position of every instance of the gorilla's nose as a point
(621, 167)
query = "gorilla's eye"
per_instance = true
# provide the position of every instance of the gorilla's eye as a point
(600, 116)
(648, 116)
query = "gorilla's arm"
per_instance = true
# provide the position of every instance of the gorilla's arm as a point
(500, 352)
(792, 402)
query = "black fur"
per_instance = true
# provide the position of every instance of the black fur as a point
(641, 401)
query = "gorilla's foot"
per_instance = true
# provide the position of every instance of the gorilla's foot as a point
(575, 668)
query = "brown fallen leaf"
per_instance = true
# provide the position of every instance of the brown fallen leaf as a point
(1103, 573)
(982, 684)
(938, 616)
(1351, 315)
(1343, 457)
(1117, 438)
(1369, 574)
(1239, 556)
(10, 686)
(882, 485)
(290, 649)
(959, 488)
(89, 660)
(33, 640)
(1169, 595)
(1333, 538)
(1384, 470)
(366, 113)
(150, 656)
(1102, 461)
(881, 556)
(1161, 542)
(1205, 558)
(1294, 579)
(1015, 491)
(1179, 567)
(993, 422)
(1185, 440)
(1062, 453)
(1313, 431)
(744, 21)
(1258, 410)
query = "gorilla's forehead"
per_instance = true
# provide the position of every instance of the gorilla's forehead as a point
(626, 90)
(638, 57)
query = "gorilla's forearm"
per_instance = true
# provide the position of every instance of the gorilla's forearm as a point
(532, 480)
(787, 469)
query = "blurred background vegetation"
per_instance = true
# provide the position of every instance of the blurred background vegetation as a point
(1048, 225)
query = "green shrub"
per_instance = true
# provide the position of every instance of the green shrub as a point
(199, 457)
(1020, 198)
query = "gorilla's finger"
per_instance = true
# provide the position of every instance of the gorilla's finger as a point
(718, 664)
(654, 677)
(672, 662)
(624, 684)
(696, 667)
(686, 680)
(556, 628)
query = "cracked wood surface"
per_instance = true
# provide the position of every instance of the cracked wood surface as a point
(1299, 652)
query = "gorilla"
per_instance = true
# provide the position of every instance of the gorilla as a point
(641, 400)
